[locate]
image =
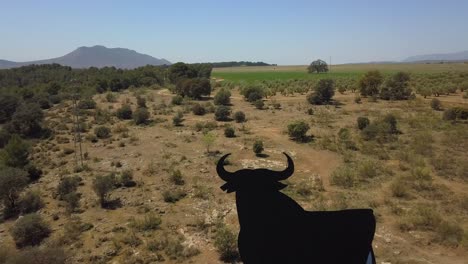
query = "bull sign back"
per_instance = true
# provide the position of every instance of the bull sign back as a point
(276, 229)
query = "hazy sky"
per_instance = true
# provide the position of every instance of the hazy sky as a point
(282, 32)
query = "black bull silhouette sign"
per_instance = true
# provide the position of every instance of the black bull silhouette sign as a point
(276, 229)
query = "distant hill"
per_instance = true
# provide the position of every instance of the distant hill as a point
(96, 56)
(456, 56)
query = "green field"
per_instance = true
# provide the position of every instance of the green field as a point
(251, 74)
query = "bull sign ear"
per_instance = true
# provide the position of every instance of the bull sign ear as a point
(222, 173)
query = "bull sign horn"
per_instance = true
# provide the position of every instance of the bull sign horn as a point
(278, 175)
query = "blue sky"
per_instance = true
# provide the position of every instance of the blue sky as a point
(282, 32)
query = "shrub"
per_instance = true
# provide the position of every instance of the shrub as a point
(177, 119)
(193, 88)
(357, 99)
(198, 109)
(258, 147)
(369, 83)
(124, 112)
(176, 177)
(72, 200)
(239, 116)
(229, 132)
(102, 185)
(341, 89)
(149, 222)
(31, 202)
(87, 103)
(210, 108)
(297, 130)
(26, 121)
(67, 185)
(208, 140)
(172, 196)
(177, 100)
(324, 91)
(38, 255)
(222, 113)
(29, 230)
(223, 97)
(102, 132)
(9, 104)
(362, 122)
(15, 153)
(259, 104)
(343, 176)
(226, 245)
(141, 116)
(391, 120)
(12, 182)
(310, 111)
(396, 87)
(435, 104)
(253, 93)
(110, 97)
(449, 233)
(399, 188)
(126, 178)
(141, 102)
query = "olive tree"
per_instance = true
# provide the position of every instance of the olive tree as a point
(317, 66)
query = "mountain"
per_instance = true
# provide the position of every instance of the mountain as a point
(96, 56)
(456, 56)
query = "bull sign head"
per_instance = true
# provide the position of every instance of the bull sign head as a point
(253, 178)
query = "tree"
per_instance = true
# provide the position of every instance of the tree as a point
(223, 97)
(298, 129)
(324, 91)
(369, 83)
(9, 104)
(26, 121)
(16, 152)
(140, 116)
(102, 185)
(193, 88)
(396, 87)
(239, 116)
(258, 147)
(222, 113)
(318, 66)
(208, 139)
(180, 70)
(12, 182)
(124, 112)
(30, 230)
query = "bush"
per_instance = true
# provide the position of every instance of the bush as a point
(297, 130)
(399, 188)
(177, 100)
(26, 121)
(176, 177)
(193, 88)
(449, 233)
(435, 104)
(223, 97)
(87, 103)
(102, 132)
(9, 104)
(29, 230)
(357, 99)
(72, 201)
(38, 255)
(253, 93)
(259, 104)
(31, 202)
(141, 116)
(229, 132)
(141, 102)
(150, 222)
(124, 112)
(362, 122)
(258, 147)
(391, 120)
(12, 182)
(222, 113)
(455, 113)
(67, 185)
(198, 109)
(369, 83)
(172, 196)
(324, 91)
(178, 119)
(226, 245)
(102, 185)
(126, 178)
(15, 153)
(396, 87)
(343, 176)
(239, 116)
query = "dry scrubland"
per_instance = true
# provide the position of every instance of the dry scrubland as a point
(172, 210)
